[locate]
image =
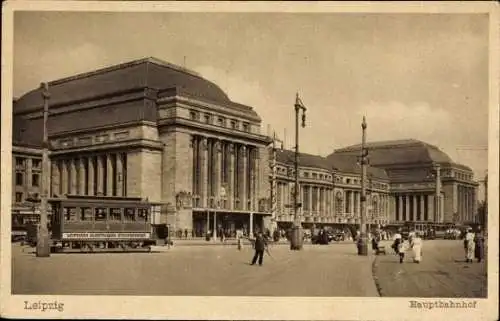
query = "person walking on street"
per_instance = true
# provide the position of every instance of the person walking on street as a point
(469, 245)
(259, 246)
(479, 245)
(416, 246)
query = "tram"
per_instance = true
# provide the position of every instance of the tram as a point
(102, 224)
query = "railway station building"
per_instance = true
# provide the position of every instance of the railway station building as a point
(154, 130)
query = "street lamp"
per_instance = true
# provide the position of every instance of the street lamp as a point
(436, 175)
(42, 245)
(363, 240)
(297, 239)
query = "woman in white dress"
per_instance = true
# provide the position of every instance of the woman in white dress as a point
(416, 246)
(469, 245)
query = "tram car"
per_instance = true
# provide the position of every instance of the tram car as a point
(101, 224)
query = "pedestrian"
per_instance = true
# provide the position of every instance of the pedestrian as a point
(479, 245)
(397, 240)
(401, 249)
(239, 236)
(416, 246)
(260, 246)
(469, 245)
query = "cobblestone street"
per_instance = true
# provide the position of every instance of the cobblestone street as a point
(442, 273)
(216, 270)
(333, 270)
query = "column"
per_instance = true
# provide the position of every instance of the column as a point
(407, 218)
(251, 174)
(215, 226)
(91, 182)
(218, 170)
(64, 178)
(204, 173)
(119, 175)
(230, 179)
(399, 210)
(251, 225)
(109, 175)
(422, 208)
(100, 175)
(243, 191)
(55, 179)
(431, 203)
(81, 176)
(351, 201)
(358, 203)
(256, 178)
(310, 196)
(415, 207)
(73, 177)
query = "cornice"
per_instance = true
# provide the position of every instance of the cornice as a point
(180, 100)
(124, 144)
(210, 129)
(96, 130)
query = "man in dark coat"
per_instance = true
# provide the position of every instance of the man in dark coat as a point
(259, 246)
(479, 245)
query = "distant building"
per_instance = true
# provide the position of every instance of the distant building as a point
(154, 130)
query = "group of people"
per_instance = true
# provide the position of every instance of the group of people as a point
(474, 245)
(414, 246)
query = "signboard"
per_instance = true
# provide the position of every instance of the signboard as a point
(105, 235)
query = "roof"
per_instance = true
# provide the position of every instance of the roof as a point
(350, 164)
(343, 163)
(305, 160)
(143, 73)
(408, 151)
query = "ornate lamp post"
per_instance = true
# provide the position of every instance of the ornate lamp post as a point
(297, 239)
(42, 245)
(363, 239)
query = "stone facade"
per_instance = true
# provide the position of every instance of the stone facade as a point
(153, 130)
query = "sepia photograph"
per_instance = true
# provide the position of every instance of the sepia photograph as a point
(209, 160)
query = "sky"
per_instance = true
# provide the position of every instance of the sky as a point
(421, 76)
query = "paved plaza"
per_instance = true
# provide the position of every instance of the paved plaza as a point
(442, 273)
(222, 270)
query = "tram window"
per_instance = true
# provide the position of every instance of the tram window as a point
(70, 214)
(115, 214)
(129, 214)
(142, 214)
(85, 214)
(100, 214)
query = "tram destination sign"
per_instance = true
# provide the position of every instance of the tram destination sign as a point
(105, 235)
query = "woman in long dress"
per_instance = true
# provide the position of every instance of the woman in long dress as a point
(416, 246)
(479, 245)
(469, 245)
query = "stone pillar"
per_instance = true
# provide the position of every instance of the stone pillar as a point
(310, 197)
(251, 184)
(91, 182)
(119, 175)
(230, 179)
(204, 173)
(422, 208)
(100, 175)
(243, 191)
(351, 202)
(55, 179)
(215, 226)
(218, 171)
(250, 232)
(110, 173)
(257, 185)
(64, 178)
(431, 203)
(73, 177)
(81, 176)
(407, 196)
(415, 207)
